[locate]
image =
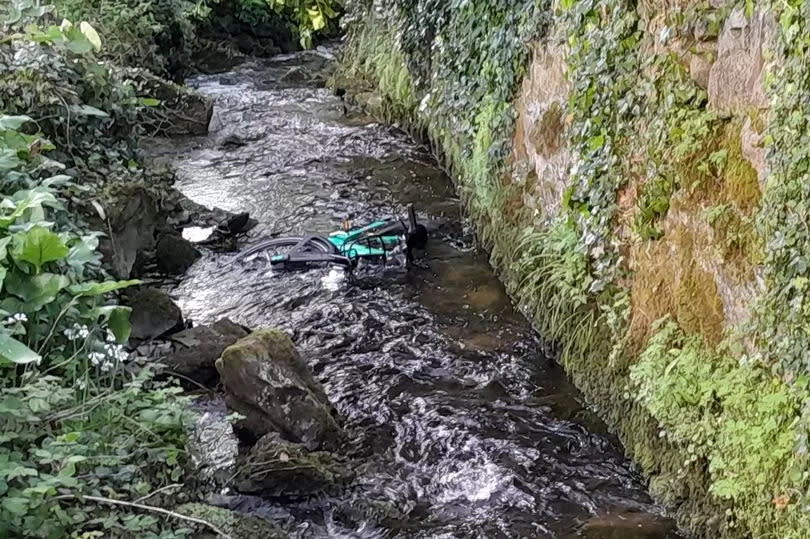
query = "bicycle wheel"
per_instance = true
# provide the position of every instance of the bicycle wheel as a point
(295, 251)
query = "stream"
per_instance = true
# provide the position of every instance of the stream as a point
(466, 426)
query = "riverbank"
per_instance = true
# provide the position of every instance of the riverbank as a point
(612, 161)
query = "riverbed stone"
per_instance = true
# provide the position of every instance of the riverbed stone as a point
(174, 254)
(268, 382)
(297, 74)
(275, 467)
(154, 314)
(196, 350)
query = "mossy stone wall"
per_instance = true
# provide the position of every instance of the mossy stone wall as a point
(631, 209)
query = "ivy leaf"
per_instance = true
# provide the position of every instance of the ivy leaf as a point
(12, 122)
(91, 34)
(8, 160)
(13, 351)
(39, 246)
(15, 505)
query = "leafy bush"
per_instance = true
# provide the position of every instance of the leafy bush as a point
(79, 416)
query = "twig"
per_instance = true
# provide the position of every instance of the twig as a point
(143, 507)
(158, 491)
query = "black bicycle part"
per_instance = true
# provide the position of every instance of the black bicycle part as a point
(304, 250)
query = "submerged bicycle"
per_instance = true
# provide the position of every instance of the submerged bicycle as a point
(374, 242)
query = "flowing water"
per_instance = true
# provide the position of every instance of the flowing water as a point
(465, 426)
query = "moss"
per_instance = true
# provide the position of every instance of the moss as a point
(547, 132)
(668, 280)
(740, 179)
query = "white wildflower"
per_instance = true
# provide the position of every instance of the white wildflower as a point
(81, 384)
(96, 358)
(116, 352)
(77, 332)
(106, 366)
(110, 336)
(15, 319)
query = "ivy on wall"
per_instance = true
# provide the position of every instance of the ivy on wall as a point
(637, 119)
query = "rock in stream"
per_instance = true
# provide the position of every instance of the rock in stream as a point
(267, 381)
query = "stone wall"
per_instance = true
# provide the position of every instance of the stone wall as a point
(625, 219)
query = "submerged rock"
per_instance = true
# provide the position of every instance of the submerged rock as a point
(267, 381)
(153, 314)
(175, 254)
(297, 74)
(235, 525)
(275, 467)
(196, 350)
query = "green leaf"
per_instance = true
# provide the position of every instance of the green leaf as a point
(13, 351)
(15, 505)
(99, 289)
(35, 291)
(12, 122)
(149, 102)
(39, 246)
(3, 245)
(8, 159)
(91, 34)
(316, 17)
(119, 323)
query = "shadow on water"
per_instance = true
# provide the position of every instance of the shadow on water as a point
(465, 427)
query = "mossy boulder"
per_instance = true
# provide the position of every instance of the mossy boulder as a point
(268, 382)
(275, 467)
(229, 522)
(175, 254)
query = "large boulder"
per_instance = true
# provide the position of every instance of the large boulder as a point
(196, 350)
(267, 382)
(153, 314)
(275, 467)
(175, 254)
